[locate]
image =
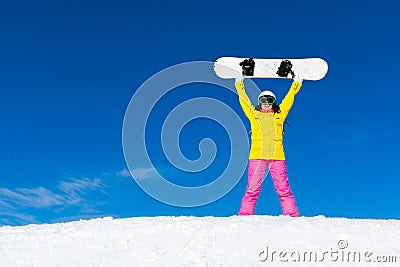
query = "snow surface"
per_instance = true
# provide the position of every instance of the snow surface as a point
(204, 241)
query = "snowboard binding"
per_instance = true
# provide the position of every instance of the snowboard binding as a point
(285, 69)
(248, 67)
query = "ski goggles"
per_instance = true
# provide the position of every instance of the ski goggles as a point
(266, 100)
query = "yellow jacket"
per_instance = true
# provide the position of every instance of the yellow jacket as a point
(267, 127)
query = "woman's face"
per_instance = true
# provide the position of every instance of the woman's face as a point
(266, 102)
(266, 107)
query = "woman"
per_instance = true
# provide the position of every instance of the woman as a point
(267, 121)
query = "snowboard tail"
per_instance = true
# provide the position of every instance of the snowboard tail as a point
(307, 68)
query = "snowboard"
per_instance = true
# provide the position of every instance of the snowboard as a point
(313, 69)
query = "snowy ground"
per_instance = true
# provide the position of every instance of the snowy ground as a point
(204, 241)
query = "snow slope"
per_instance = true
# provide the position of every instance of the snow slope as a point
(204, 241)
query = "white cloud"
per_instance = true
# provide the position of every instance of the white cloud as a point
(75, 189)
(124, 173)
(17, 218)
(16, 204)
(70, 193)
(30, 197)
(138, 173)
(143, 173)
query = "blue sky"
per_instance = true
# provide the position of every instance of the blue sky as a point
(68, 70)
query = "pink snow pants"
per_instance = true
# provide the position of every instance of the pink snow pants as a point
(256, 172)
